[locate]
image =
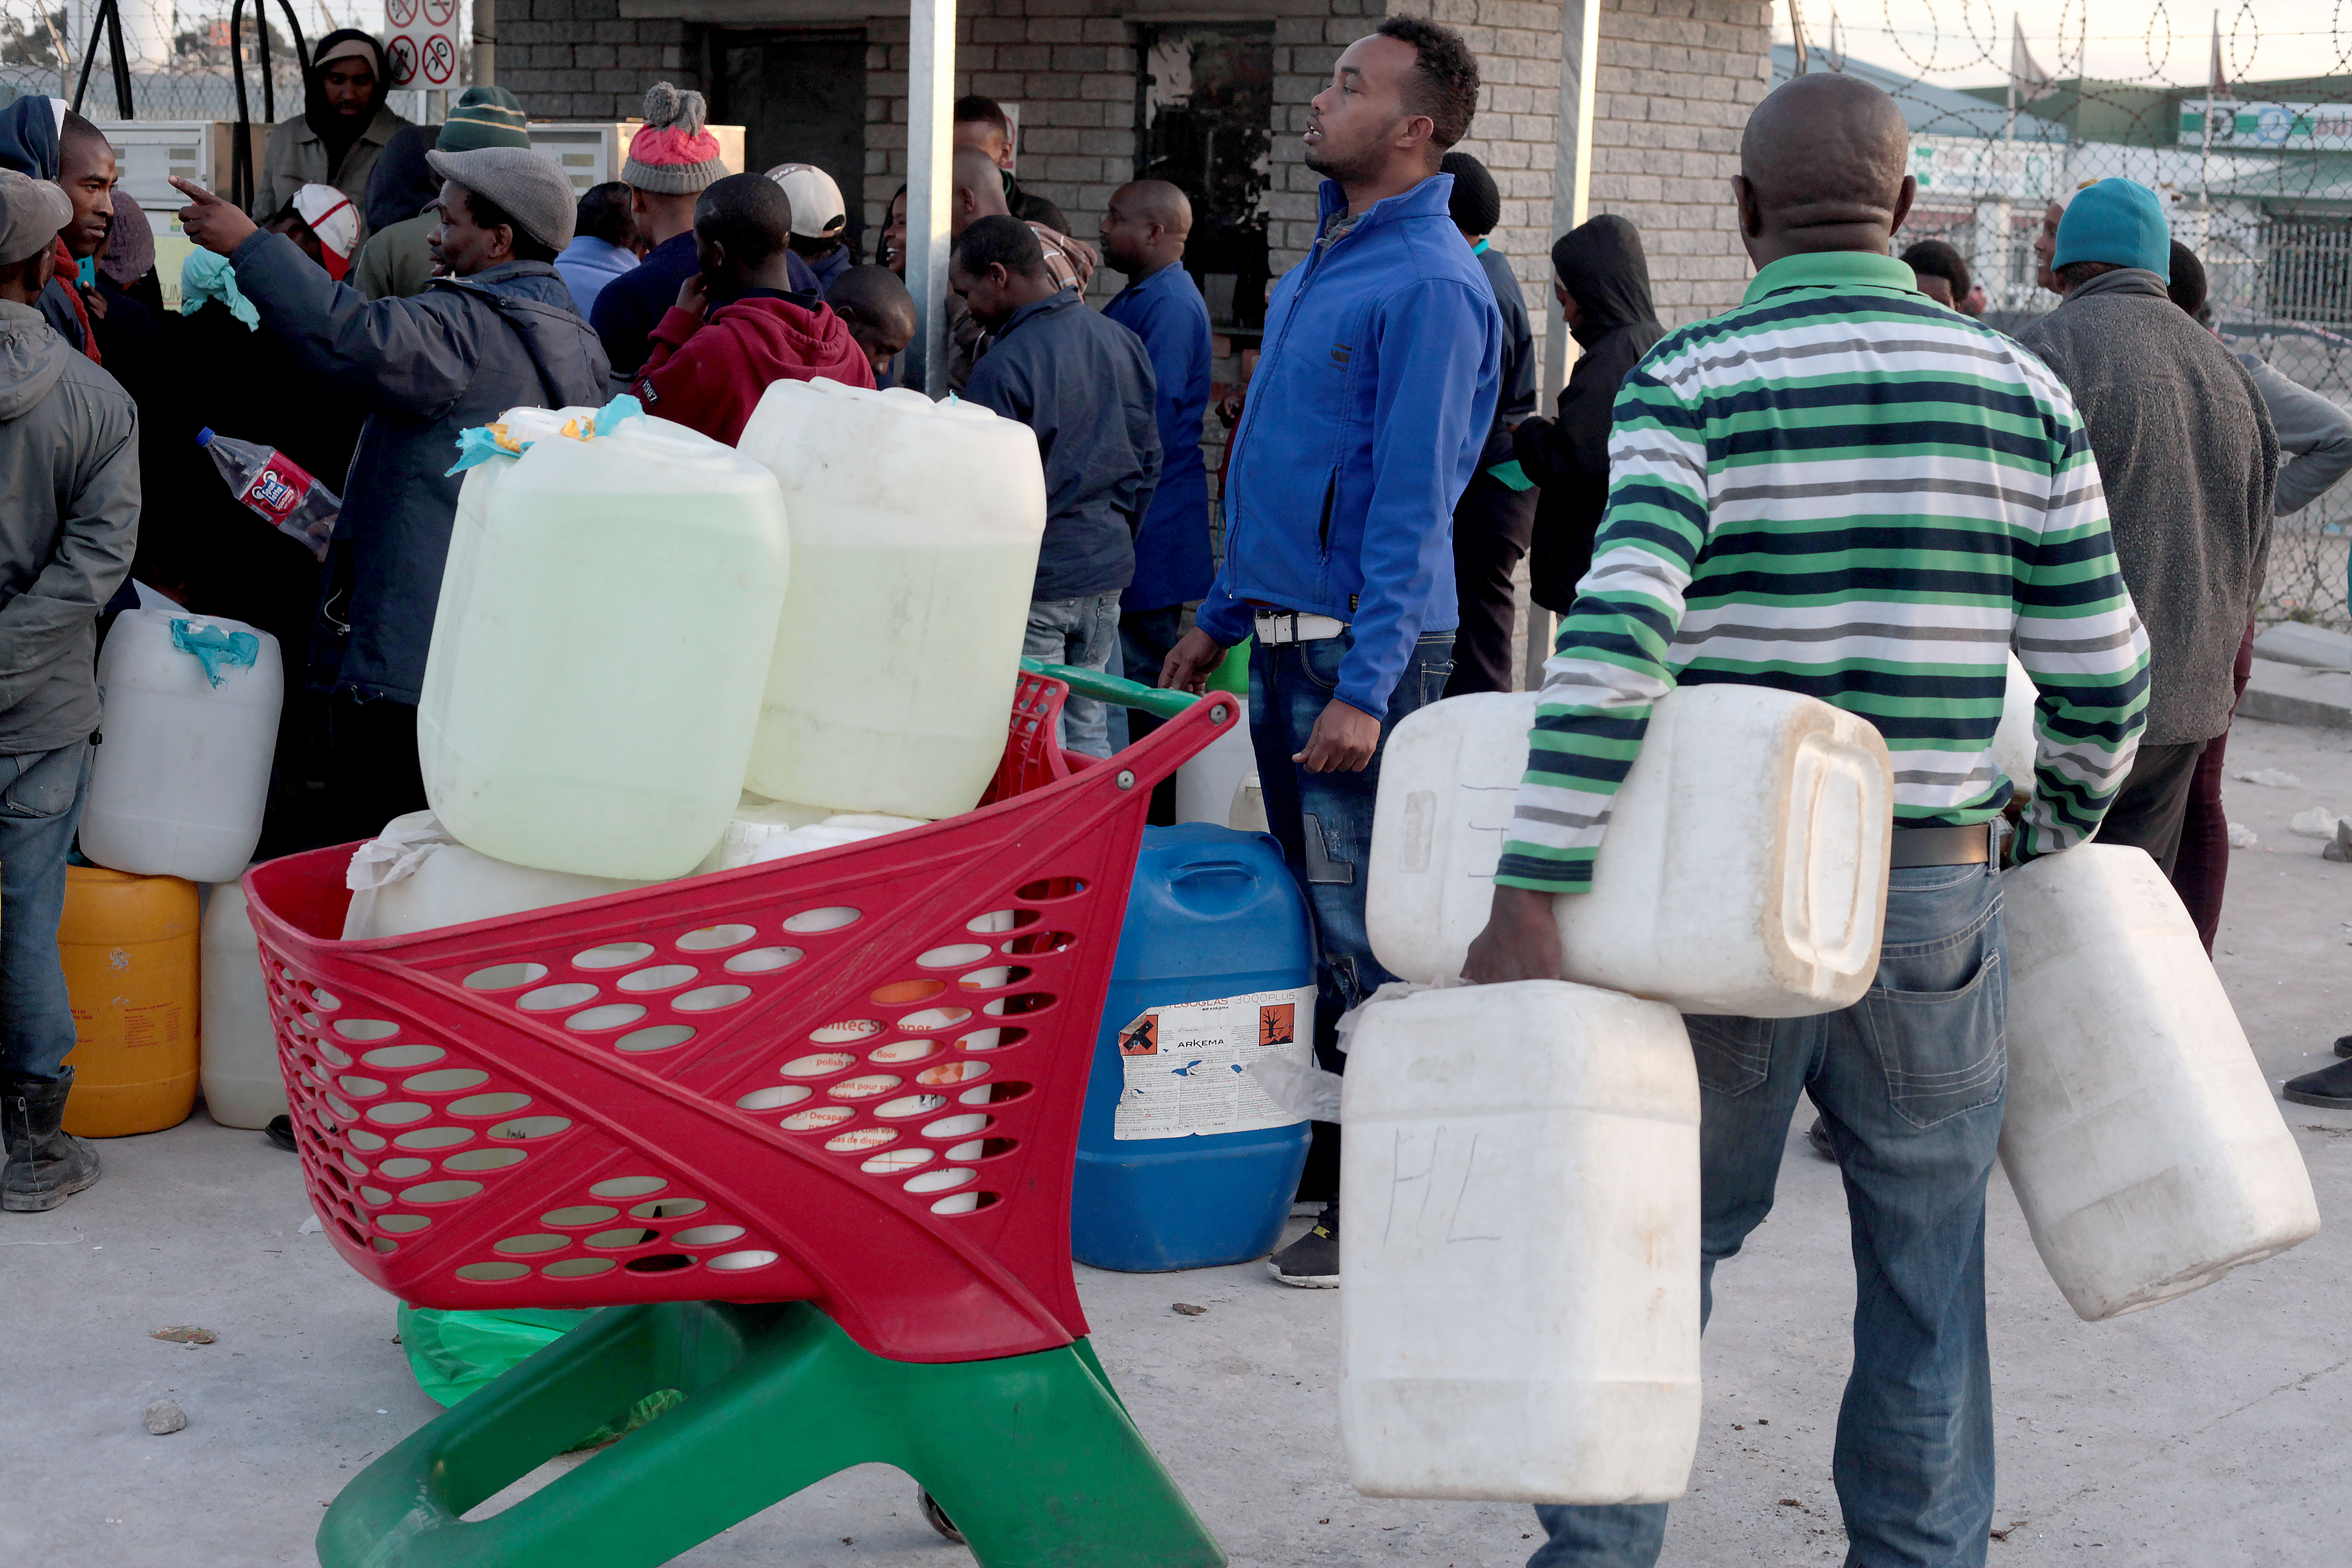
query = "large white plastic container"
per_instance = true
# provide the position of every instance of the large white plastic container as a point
(597, 657)
(449, 884)
(1206, 784)
(1518, 1301)
(178, 786)
(758, 824)
(242, 1085)
(1744, 870)
(2014, 746)
(2140, 1135)
(915, 534)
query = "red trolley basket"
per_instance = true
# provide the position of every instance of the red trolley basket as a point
(852, 1077)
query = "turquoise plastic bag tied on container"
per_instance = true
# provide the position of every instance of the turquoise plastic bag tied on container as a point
(454, 1354)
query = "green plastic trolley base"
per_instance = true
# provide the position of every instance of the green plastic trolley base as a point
(1032, 1456)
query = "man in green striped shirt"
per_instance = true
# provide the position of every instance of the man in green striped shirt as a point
(1842, 489)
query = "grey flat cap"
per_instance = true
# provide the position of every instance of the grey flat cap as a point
(31, 213)
(529, 185)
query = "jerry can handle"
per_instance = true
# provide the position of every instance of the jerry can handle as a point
(1104, 688)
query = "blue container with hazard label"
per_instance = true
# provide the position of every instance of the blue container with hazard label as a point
(1184, 1163)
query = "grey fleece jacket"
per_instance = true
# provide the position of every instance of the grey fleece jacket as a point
(68, 518)
(2188, 461)
(2315, 437)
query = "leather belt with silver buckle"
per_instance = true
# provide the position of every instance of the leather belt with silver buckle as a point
(1276, 628)
(1942, 847)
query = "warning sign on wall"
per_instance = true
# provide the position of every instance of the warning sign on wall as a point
(1186, 1067)
(420, 42)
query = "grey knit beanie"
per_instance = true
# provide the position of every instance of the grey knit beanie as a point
(671, 154)
(531, 185)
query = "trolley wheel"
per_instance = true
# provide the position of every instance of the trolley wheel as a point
(936, 1518)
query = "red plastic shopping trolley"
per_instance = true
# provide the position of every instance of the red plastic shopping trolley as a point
(851, 1078)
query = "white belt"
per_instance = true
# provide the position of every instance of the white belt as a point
(1276, 628)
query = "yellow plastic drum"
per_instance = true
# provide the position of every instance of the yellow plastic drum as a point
(130, 947)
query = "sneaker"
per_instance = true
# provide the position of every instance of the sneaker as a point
(1818, 1136)
(2344, 1045)
(1312, 1262)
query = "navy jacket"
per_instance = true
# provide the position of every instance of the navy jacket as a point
(1084, 384)
(631, 306)
(459, 355)
(1171, 552)
(1515, 397)
(1365, 422)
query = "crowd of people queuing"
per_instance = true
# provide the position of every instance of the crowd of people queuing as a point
(1849, 486)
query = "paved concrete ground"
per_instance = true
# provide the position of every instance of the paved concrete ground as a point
(2208, 1432)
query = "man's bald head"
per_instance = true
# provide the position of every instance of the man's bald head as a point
(1144, 228)
(1157, 201)
(979, 190)
(1823, 167)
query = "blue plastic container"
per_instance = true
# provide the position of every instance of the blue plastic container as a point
(1206, 1167)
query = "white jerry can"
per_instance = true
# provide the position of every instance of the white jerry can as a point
(1744, 870)
(2141, 1137)
(1518, 1303)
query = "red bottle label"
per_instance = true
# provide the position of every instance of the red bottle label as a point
(278, 489)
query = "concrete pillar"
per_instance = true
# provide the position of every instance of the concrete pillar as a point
(1579, 50)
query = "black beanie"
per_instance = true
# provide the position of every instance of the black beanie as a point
(2188, 286)
(1477, 206)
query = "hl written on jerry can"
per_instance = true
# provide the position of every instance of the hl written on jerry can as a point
(130, 947)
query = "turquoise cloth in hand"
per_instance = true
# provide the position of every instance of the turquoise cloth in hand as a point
(1513, 475)
(213, 647)
(204, 276)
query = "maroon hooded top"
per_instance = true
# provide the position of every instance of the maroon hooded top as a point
(709, 371)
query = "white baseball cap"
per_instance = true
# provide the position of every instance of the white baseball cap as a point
(818, 211)
(330, 216)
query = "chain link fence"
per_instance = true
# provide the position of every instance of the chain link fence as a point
(2258, 181)
(177, 59)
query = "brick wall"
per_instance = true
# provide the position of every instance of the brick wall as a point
(581, 59)
(1676, 80)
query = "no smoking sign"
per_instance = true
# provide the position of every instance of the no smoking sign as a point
(420, 42)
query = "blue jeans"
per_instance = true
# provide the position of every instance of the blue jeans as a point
(40, 803)
(1083, 633)
(1909, 1082)
(1324, 821)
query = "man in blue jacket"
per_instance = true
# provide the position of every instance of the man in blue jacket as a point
(1365, 421)
(1143, 235)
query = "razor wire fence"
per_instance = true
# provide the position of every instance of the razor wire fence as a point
(2257, 177)
(180, 62)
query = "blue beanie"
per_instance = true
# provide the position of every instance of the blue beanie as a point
(2117, 221)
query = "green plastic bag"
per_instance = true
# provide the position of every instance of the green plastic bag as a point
(454, 1354)
(1232, 675)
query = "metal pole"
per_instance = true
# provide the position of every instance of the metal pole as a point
(1579, 53)
(930, 181)
(485, 43)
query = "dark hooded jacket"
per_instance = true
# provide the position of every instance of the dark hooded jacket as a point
(458, 355)
(319, 147)
(1601, 265)
(28, 144)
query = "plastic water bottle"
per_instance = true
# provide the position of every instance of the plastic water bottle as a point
(276, 487)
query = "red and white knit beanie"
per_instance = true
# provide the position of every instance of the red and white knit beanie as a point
(671, 152)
